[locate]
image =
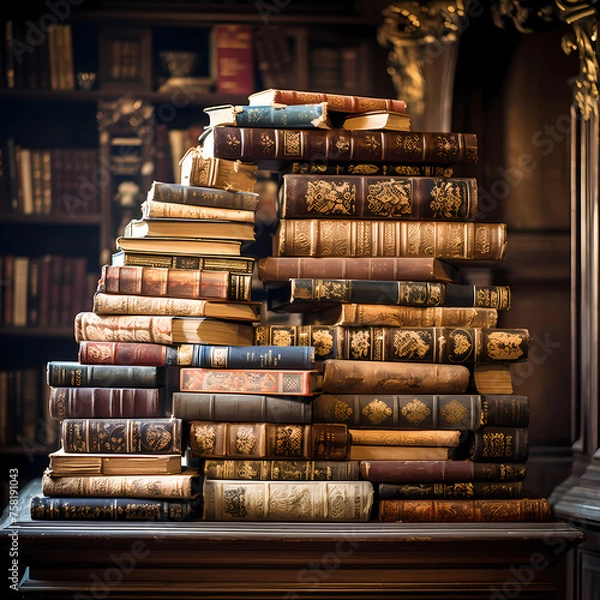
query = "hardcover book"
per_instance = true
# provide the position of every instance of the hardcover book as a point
(232, 264)
(378, 452)
(391, 238)
(178, 246)
(432, 438)
(314, 501)
(447, 491)
(249, 381)
(67, 373)
(318, 166)
(174, 283)
(153, 210)
(378, 119)
(376, 197)
(498, 444)
(285, 470)
(134, 436)
(90, 326)
(325, 441)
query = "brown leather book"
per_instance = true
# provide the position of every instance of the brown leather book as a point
(367, 377)
(378, 452)
(175, 283)
(213, 439)
(446, 491)
(278, 144)
(439, 471)
(320, 167)
(431, 438)
(465, 511)
(207, 262)
(359, 237)
(282, 268)
(498, 444)
(376, 197)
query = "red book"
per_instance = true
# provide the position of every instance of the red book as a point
(235, 64)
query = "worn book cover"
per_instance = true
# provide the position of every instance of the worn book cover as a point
(446, 491)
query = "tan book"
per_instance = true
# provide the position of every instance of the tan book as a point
(395, 437)
(491, 378)
(189, 229)
(378, 120)
(171, 246)
(313, 501)
(170, 210)
(62, 463)
(376, 452)
(124, 304)
(185, 485)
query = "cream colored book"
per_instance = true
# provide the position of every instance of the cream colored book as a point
(151, 209)
(189, 229)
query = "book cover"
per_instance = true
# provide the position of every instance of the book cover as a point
(251, 381)
(313, 501)
(318, 166)
(232, 264)
(151, 209)
(133, 354)
(234, 58)
(376, 197)
(254, 357)
(322, 441)
(294, 116)
(446, 491)
(497, 444)
(178, 246)
(68, 373)
(432, 438)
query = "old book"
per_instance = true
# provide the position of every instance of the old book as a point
(378, 120)
(69, 373)
(463, 412)
(199, 170)
(63, 463)
(279, 382)
(133, 354)
(184, 486)
(285, 470)
(132, 436)
(401, 344)
(125, 304)
(279, 145)
(344, 103)
(377, 197)
(365, 377)
(307, 294)
(112, 509)
(378, 452)
(317, 166)
(90, 326)
(189, 229)
(105, 402)
(281, 268)
(465, 511)
(321, 441)
(497, 445)
(357, 315)
(232, 264)
(432, 438)
(177, 193)
(234, 58)
(196, 406)
(353, 238)
(308, 501)
(444, 491)
(298, 116)
(178, 246)
(151, 210)
(492, 378)
(176, 283)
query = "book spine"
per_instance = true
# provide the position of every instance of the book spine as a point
(505, 410)
(90, 326)
(210, 439)
(94, 402)
(460, 412)
(131, 436)
(254, 357)
(319, 167)
(431, 471)
(464, 511)
(202, 196)
(499, 444)
(371, 197)
(364, 377)
(312, 501)
(393, 437)
(234, 56)
(191, 406)
(357, 238)
(129, 353)
(282, 268)
(213, 263)
(168, 210)
(246, 381)
(72, 374)
(286, 470)
(340, 102)
(119, 486)
(307, 116)
(175, 283)
(109, 509)
(403, 293)
(256, 143)
(425, 491)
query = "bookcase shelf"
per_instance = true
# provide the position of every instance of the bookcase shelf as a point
(31, 332)
(78, 220)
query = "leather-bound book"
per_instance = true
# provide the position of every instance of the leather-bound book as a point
(497, 444)
(211, 439)
(318, 166)
(465, 511)
(359, 237)
(368, 377)
(378, 197)
(206, 262)
(428, 438)
(151, 209)
(68, 373)
(445, 491)
(310, 501)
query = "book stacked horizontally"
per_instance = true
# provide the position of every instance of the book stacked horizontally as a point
(179, 281)
(373, 264)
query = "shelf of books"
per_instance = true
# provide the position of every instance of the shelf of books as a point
(371, 382)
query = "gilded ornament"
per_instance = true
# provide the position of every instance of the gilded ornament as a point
(205, 438)
(412, 345)
(282, 337)
(482, 240)
(235, 502)
(288, 440)
(449, 200)
(376, 411)
(245, 439)
(342, 411)
(360, 343)
(446, 147)
(342, 144)
(461, 345)
(331, 197)
(232, 141)
(503, 345)
(390, 198)
(291, 143)
(322, 341)
(363, 169)
(454, 413)
(157, 438)
(415, 412)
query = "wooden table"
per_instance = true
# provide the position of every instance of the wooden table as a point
(100, 559)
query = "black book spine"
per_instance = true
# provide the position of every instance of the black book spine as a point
(73, 374)
(254, 357)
